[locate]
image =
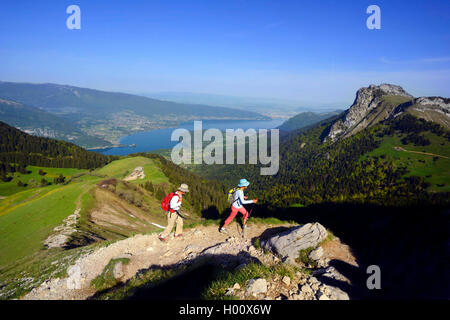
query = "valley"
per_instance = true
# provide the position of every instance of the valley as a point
(97, 119)
(371, 185)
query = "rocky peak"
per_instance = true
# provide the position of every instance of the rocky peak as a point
(367, 99)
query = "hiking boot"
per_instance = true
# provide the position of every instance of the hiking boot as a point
(162, 239)
(178, 235)
(223, 230)
(245, 226)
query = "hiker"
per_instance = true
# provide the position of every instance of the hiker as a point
(173, 215)
(237, 205)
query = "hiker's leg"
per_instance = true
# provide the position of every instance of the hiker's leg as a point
(230, 218)
(171, 217)
(244, 214)
(179, 229)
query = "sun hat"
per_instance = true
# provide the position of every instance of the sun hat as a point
(243, 183)
(183, 188)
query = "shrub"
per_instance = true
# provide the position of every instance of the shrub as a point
(303, 257)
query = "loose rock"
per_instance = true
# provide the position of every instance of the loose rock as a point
(256, 286)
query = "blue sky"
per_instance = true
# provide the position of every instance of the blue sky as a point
(316, 52)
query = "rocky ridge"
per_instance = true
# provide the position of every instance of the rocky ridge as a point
(367, 99)
(232, 250)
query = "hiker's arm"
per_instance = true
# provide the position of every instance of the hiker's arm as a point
(242, 200)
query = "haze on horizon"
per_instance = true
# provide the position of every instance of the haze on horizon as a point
(315, 53)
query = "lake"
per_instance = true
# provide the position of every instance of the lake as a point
(160, 138)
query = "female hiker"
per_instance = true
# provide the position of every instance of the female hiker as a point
(237, 205)
(173, 208)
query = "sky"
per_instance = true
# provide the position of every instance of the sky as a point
(314, 52)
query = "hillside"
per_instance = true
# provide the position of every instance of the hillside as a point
(110, 115)
(305, 119)
(22, 149)
(39, 222)
(38, 122)
(384, 188)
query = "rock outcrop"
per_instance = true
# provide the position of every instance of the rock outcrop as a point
(63, 232)
(367, 99)
(288, 244)
(138, 173)
(436, 109)
(377, 103)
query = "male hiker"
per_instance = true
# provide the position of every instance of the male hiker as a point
(237, 205)
(172, 204)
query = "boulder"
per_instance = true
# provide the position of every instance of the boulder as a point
(256, 286)
(288, 243)
(337, 294)
(118, 270)
(316, 254)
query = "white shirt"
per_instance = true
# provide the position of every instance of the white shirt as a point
(175, 202)
(239, 199)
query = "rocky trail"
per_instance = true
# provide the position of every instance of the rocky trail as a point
(145, 251)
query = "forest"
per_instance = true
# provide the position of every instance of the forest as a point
(19, 149)
(313, 171)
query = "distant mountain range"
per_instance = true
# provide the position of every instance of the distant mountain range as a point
(275, 108)
(102, 116)
(305, 119)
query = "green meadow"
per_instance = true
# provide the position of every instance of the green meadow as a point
(29, 214)
(435, 170)
(33, 178)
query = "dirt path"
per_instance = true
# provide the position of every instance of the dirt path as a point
(145, 251)
(418, 152)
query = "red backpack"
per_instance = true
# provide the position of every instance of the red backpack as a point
(165, 203)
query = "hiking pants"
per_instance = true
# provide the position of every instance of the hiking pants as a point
(233, 214)
(173, 217)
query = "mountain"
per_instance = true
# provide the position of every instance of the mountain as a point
(274, 108)
(110, 115)
(383, 191)
(382, 147)
(377, 103)
(305, 119)
(42, 123)
(17, 147)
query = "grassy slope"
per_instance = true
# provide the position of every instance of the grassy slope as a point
(33, 179)
(29, 216)
(121, 168)
(24, 228)
(435, 171)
